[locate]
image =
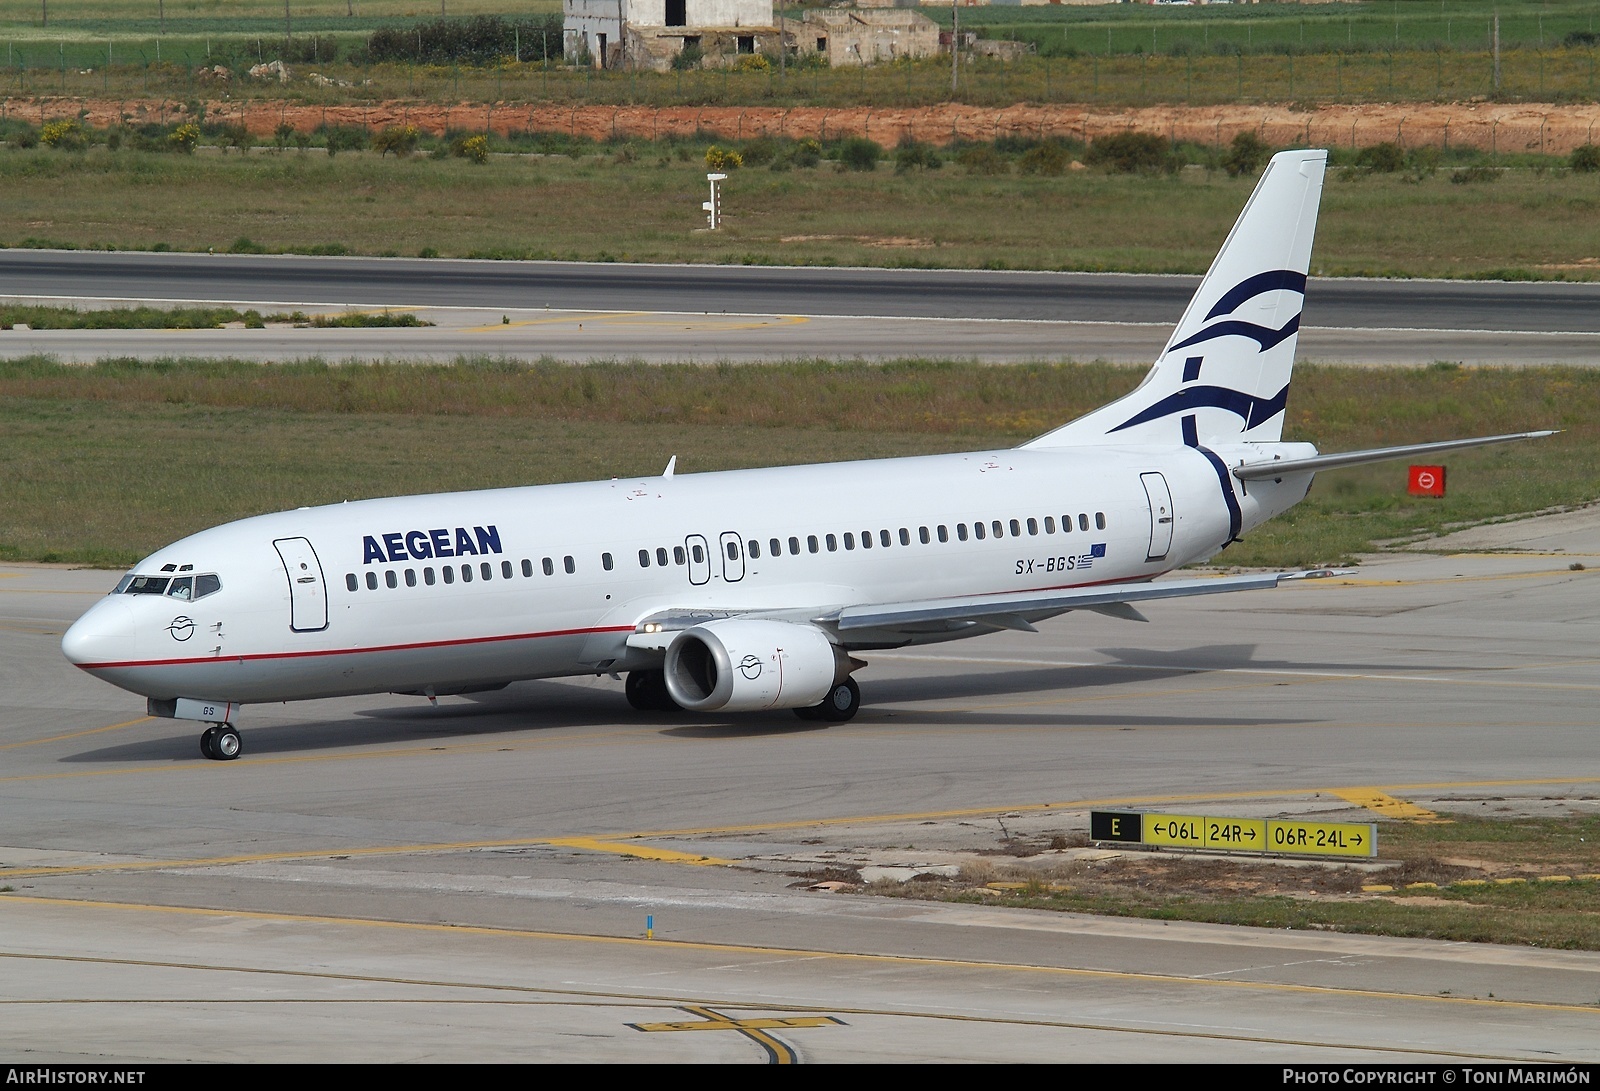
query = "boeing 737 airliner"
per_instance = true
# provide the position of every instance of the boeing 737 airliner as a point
(753, 589)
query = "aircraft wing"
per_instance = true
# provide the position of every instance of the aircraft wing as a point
(1255, 471)
(1017, 611)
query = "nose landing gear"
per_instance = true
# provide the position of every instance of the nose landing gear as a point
(221, 742)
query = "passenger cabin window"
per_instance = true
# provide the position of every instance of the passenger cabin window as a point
(350, 581)
(1100, 520)
(1016, 530)
(372, 581)
(811, 542)
(644, 558)
(905, 536)
(505, 569)
(833, 543)
(678, 556)
(390, 579)
(922, 535)
(794, 547)
(944, 535)
(527, 568)
(449, 574)
(1066, 524)
(776, 547)
(755, 550)
(733, 551)
(661, 557)
(486, 570)
(549, 566)
(961, 531)
(1083, 521)
(411, 577)
(850, 540)
(1033, 526)
(605, 561)
(427, 575)
(566, 562)
(978, 531)
(1049, 524)
(466, 573)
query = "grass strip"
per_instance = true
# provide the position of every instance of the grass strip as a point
(1449, 880)
(105, 463)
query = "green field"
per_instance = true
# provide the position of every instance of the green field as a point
(638, 201)
(199, 443)
(1122, 54)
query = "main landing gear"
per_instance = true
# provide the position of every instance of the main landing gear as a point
(647, 692)
(221, 742)
(842, 703)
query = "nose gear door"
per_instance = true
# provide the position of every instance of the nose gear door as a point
(308, 594)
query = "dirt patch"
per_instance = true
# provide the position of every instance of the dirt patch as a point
(1498, 127)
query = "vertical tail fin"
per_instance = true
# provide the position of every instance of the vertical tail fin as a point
(1224, 375)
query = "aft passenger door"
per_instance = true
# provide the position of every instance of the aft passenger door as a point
(308, 594)
(1160, 497)
(732, 556)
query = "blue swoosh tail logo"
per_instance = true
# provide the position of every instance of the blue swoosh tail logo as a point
(1252, 410)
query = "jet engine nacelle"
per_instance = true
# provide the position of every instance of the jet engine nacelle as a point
(745, 665)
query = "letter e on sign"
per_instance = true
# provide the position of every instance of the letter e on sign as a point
(1425, 481)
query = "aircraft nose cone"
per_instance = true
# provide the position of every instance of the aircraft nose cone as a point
(103, 635)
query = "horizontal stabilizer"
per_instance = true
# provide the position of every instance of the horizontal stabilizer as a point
(1109, 599)
(1255, 471)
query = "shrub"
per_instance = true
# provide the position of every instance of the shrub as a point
(235, 136)
(1585, 159)
(1246, 155)
(689, 57)
(807, 152)
(913, 154)
(400, 139)
(858, 153)
(25, 137)
(723, 159)
(474, 148)
(481, 40)
(343, 138)
(67, 135)
(282, 134)
(1468, 175)
(1132, 153)
(1385, 158)
(761, 150)
(752, 62)
(983, 159)
(184, 137)
(1051, 159)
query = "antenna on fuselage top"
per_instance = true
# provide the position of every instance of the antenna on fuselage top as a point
(672, 464)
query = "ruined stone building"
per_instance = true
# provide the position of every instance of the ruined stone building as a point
(866, 36)
(651, 33)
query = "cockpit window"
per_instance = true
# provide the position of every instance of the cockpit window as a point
(186, 588)
(147, 585)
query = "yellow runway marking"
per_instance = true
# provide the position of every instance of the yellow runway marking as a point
(623, 843)
(847, 957)
(643, 852)
(578, 998)
(1384, 804)
(76, 734)
(778, 1052)
(555, 320)
(1342, 581)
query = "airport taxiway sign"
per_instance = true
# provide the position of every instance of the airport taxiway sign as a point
(1277, 835)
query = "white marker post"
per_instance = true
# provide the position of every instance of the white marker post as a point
(713, 207)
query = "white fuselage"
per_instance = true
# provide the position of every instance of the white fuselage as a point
(352, 598)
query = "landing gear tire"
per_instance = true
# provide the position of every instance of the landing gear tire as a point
(221, 742)
(841, 704)
(647, 692)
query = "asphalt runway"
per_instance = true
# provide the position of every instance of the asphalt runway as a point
(378, 879)
(575, 311)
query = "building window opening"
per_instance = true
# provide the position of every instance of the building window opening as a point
(678, 14)
(747, 43)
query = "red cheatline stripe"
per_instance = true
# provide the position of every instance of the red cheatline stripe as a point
(358, 651)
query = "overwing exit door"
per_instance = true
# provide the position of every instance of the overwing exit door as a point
(699, 559)
(308, 595)
(1160, 497)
